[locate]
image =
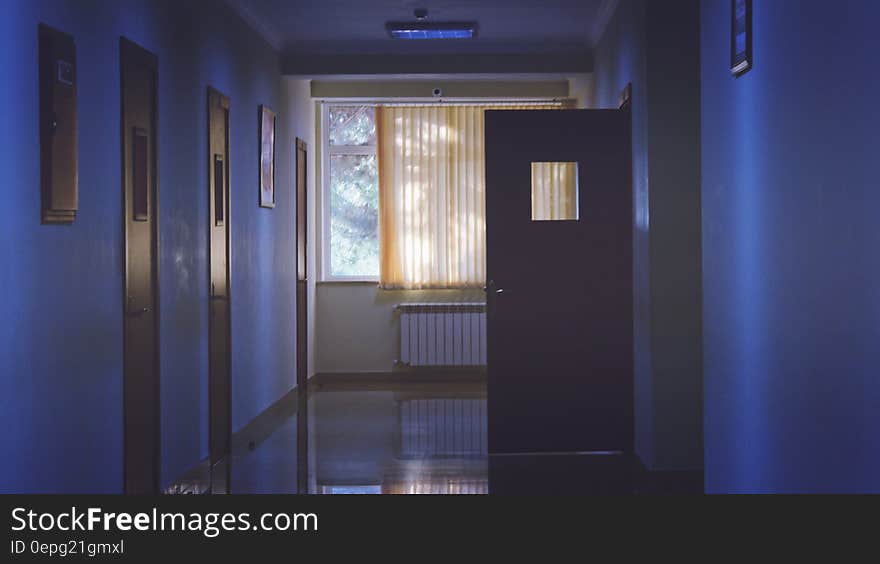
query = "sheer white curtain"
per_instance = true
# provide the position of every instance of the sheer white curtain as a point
(432, 199)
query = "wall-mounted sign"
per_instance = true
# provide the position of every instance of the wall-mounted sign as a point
(58, 126)
(267, 157)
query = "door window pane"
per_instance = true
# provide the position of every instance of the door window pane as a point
(554, 191)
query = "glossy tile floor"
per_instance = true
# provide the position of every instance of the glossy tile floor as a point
(408, 438)
(413, 436)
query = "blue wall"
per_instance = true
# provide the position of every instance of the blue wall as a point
(655, 46)
(61, 286)
(790, 250)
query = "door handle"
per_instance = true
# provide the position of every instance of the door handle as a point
(492, 293)
(491, 288)
(138, 312)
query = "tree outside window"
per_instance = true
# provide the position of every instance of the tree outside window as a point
(353, 192)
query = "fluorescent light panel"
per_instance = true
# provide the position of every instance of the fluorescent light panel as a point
(432, 30)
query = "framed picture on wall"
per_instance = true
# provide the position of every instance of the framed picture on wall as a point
(740, 36)
(267, 157)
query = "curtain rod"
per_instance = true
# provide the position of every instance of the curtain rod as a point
(448, 102)
(471, 104)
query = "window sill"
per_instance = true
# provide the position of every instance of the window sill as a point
(353, 281)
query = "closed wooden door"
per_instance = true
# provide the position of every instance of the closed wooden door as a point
(219, 326)
(139, 76)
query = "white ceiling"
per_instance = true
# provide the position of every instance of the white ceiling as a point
(506, 27)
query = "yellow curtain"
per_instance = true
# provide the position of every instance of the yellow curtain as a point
(554, 191)
(432, 201)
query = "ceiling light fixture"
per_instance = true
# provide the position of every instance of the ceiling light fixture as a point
(422, 29)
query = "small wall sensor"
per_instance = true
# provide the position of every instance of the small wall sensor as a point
(437, 92)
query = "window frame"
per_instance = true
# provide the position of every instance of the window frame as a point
(326, 152)
(323, 201)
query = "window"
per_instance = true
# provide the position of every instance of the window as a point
(351, 194)
(432, 203)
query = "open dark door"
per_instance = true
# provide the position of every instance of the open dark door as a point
(560, 282)
(140, 221)
(302, 342)
(219, 328)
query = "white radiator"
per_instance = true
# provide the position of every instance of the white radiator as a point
(438, 334)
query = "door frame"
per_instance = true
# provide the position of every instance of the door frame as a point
(130, 50)
(225, 102)
(301, 233)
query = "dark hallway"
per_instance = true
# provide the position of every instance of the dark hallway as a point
(502, 247)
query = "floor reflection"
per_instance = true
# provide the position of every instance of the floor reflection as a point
(396, 439)
(271, 468)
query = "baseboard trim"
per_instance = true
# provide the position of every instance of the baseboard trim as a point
(399, 379)
(197, 479)
(260, 427)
